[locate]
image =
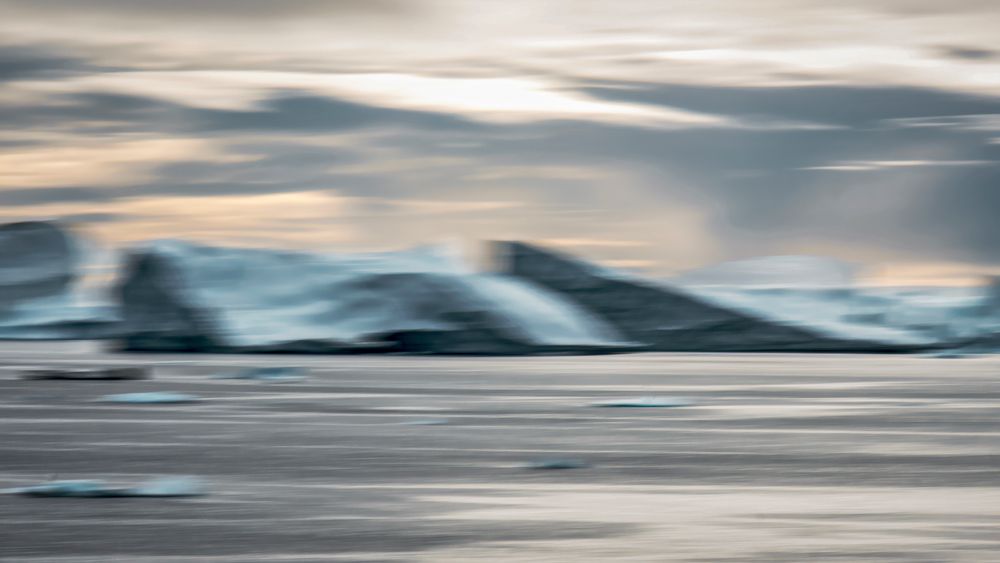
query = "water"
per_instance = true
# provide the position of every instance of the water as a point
(780, 458)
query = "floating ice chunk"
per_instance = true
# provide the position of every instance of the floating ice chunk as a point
(557, 463)
(154, 397)
(85, 488)
(426, 422)
(85, 374)
(948, 354)
(642, 402)
(79, 488)
(170, 487)
(272, 374)
(667, 317)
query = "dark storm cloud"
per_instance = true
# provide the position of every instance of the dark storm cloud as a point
(748, 182)
(968, 53)
(758, 200)
(214, 9)
(852, 106)
(166, 188)
(18, 62)
(761, 198)
(963, 213)
(41, 196)
(89, 111)
(303, 113)
(285, 112)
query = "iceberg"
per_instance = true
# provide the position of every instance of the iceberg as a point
(40, 265)
(839, 312)
(668, 317)
(87, 488)
(821, 293)
(179, 296)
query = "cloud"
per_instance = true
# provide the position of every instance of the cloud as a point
(92, 217)
(303, 113)
(662, 134)
(97, 161)
(492, 100)
(971, 53)
(214, 9)
(871, 165)
(18, 62)
(44, 196)
(980, 122)
(593, 243)
(851, 106)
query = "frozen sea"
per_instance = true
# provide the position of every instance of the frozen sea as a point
(781, 458)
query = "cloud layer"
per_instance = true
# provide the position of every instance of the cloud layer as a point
(658, 135)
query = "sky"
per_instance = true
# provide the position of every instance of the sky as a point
(651, 135)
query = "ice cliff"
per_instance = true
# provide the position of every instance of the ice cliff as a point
(670, 318)
(183, 296)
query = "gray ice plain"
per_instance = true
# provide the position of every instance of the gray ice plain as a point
(412, 409)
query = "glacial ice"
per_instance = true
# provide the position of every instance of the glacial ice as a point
(822, 294)
(39, 266)
(180, 296)
(183, 296)
(671, 318)
(151, 398)
(93, 488)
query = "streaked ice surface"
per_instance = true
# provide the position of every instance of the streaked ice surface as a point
(783, 457)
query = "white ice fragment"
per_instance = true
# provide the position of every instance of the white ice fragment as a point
(642, 402)
(557, 463)
(153, 397)
(86, 488)
(170, 487)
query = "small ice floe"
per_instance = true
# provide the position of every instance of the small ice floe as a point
(426, 422)
(948, 354)
(85, 374)
(271, 374)
(557, 463)
(150, 398)
(163, 487)
(643, 402)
